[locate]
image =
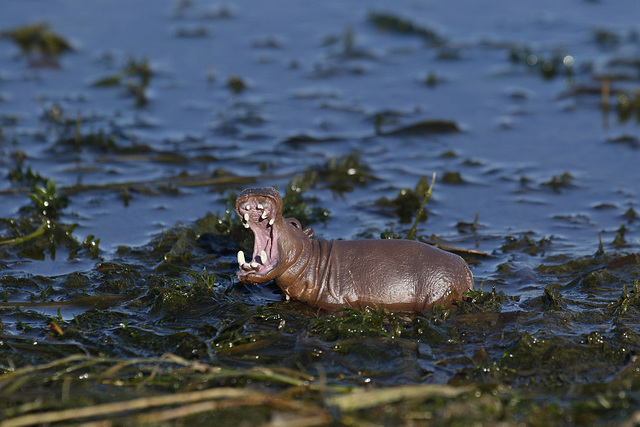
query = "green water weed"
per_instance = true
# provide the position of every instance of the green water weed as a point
(135, 77)
(392, 23)
(408, 202)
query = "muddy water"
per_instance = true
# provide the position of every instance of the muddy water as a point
(537, 154)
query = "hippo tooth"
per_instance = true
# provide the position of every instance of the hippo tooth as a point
(241, 259)
(247, 207)
(260, 206)
(264, 215)
(246, 225)
(246, 217)
(263, 257)
(271, 221)
(254, 264)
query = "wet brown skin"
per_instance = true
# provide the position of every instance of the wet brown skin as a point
(401, 275)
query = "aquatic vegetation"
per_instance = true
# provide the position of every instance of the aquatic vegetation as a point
(625, 140)
(296, 205)
(628, 106)
(630, 215)
(468, 227)
(618, 240)
(452, 177)
(191, 32)
(479, 301)
(421, 128)
(177, 249)
(343, 173)
(394, 23)
(158, 330)
(27, 176)
(340, 174)
(32, 240)
(135, 77)
(47, 201)
(352, 323)
(39, 43)
(558, 182)
(408, 202)
(526, 244)
(553, 65)
(236, 84)
(606, 39)
(38, 231)
(431, 80)
(99, 140)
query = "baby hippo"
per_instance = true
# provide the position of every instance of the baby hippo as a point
(400, 275)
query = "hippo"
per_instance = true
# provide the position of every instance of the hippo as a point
(399, 275)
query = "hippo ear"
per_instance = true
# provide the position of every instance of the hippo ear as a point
(309, 232)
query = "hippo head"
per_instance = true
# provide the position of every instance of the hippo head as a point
(278, 241)
(259, 209)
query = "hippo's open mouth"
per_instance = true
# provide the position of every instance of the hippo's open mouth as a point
(258, 211)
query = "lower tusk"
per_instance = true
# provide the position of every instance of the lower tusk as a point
(264, 215)
(241, 259)
(271, 221)
(264, 258)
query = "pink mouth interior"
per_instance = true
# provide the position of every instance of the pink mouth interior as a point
(257, 212)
